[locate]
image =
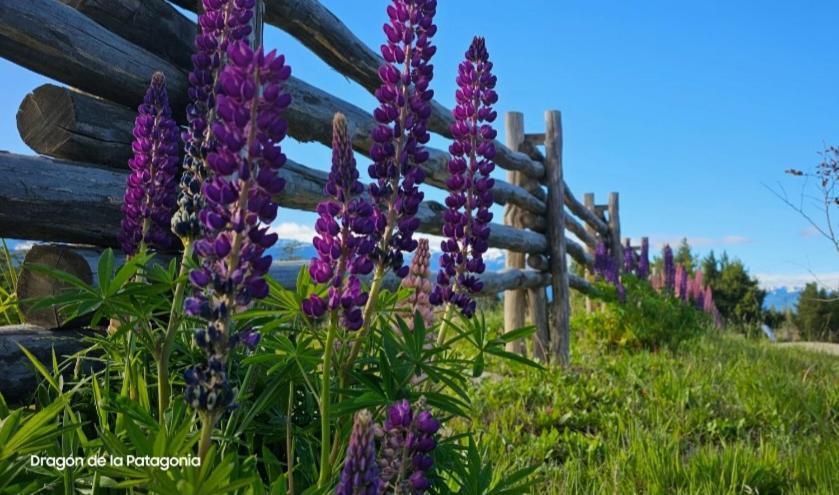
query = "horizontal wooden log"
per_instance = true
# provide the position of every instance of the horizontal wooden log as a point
(65, 123)
(579, 253)
(59, 42)
(330, 39)
(33, 285)
(54, 200)
(581, 285)
(19, 378)
(580, 231)
(151, 24)
(584, 214)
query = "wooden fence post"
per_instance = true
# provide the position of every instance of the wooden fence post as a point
(556, 236)
(615, 228)
(588, 202)
(514, 300)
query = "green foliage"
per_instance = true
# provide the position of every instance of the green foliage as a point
(736, 293)
(719, 415)
(817, 314)
(9, 271)
(647, 319)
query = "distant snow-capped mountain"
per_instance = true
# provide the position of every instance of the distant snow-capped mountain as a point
(782, 298)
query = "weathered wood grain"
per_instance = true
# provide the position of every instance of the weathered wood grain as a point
(151, 24)
(59, 42)
(515, 301)
(615, 228)
(556, 234)
(18, 379)
(34, 285)
(65, 123)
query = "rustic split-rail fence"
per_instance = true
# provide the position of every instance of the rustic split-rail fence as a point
(104, 52)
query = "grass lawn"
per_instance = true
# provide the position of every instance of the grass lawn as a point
(721, 415)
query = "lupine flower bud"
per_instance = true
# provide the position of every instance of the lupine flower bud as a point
(669, 270)
(345, 237)
(222, 23)
(419, 284)
(643, 270)
(151, 189)
(467, 215)
(405, 455)
(238, 194)
(360, 475)
(628, 258)
(681, 282)
(404, 107)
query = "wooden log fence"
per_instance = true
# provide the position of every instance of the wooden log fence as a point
(106, 51)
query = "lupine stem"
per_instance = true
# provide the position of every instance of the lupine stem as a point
(208, 422)
(325, 399)
(164, 390)
(444, 325)
(289, 438)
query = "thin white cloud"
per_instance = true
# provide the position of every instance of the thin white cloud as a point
(809, 232)
(24, 246)
(770, 281)
(293, 231)
(699, 242)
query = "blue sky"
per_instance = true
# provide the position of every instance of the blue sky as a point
(689, 111)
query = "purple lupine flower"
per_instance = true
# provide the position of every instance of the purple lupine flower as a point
(405, 456)
(628, 258)
(151, 188)
(669, 269)
(681, 282)
(601, 259)
(360, 475)
(242, 181)
(345, 235)
(643, 269)
(399, 137)
(221, 23)
(417, 281)
(467, 215)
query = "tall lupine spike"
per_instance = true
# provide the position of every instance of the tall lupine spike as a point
(419, 284)
(643, 270)
(405, 454)
(151, 188)
(360, 475)
(243, 178)
(601, 260)
(399, 137)
(628, 258)
(681, 282)
(344, 238)
(222, 23)
(669, 269)
(467, 215)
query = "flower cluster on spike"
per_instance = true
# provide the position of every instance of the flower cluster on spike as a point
(408, 439)
(642, 271)
(467, 214)
(681, 282)
(669, 269)
(400, 134)
(605, 267)
(628, 258)
(345, 236)
(360, 475)
(419, 284)
(242, 179)
(151, 188)
(222, 23)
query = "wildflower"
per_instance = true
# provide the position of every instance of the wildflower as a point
(408, 440)
(467, 215)
(643, 268)
(238, 195)
(681, 282)
(400, 135)
(150, 192)
(669, 270)
(344, 239)
(360, 475)
(417, 280)
(628, 258)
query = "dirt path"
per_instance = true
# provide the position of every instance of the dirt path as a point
(814, 346)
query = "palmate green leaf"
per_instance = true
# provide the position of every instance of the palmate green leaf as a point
(105, 269)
